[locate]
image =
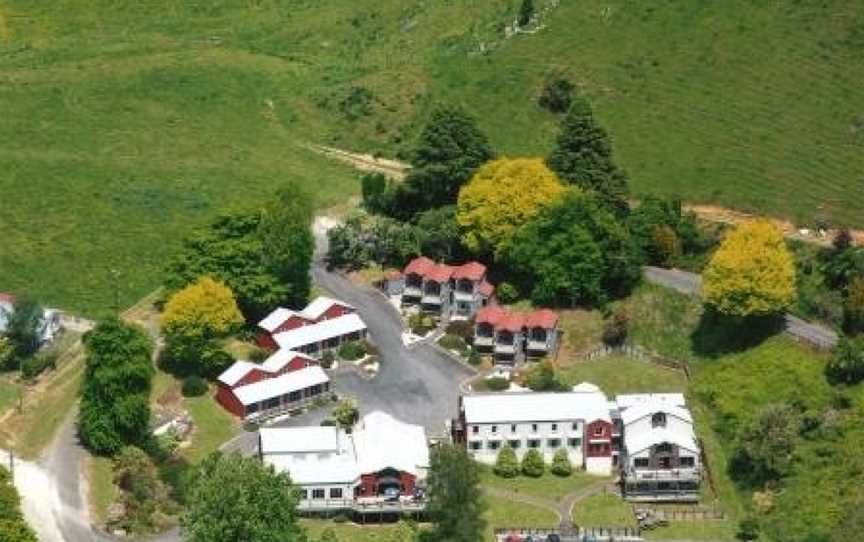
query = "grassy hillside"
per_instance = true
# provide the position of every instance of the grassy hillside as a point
(127, 124)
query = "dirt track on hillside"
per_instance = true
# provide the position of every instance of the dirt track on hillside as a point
(712, 213)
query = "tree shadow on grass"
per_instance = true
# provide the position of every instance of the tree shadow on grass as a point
(718, 334)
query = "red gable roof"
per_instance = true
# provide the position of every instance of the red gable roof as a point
(440, 273)
(471, 271)
(490, 314)
(514, 322)
(7, 298)
(542, 318)
(486, 288)
(419, 266)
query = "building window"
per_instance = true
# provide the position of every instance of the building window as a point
(533, 443)
(317, 493)
(640, 462)
(475, 444)
(494, 429)
(598, 431)
(475, 429)
(553, 443)
(335, 492)
(554, 426)
(658, 419)
(515, 444)
(513, 428)
(663, 448)
(533, 427)
(574, 442)
(493, 444)
(575, 426)
(688, 462)
(271, 403)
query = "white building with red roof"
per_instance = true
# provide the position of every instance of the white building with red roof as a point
(512, 336)
(447, 291)
(323, 325)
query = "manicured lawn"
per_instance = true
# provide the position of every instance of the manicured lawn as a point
(213, 427)
(617, 374)
(100, 479)
(548, 486)
(715, 531)
(603, 511)
(351, 532)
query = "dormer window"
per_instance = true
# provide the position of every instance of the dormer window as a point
(658, 419)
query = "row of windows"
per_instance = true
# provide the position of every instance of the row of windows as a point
(535, 427)
(530, 443)
(335, 493)
(665, 463)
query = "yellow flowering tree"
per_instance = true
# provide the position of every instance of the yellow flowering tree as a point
(501, 196)
(207, 307)
(752, 273)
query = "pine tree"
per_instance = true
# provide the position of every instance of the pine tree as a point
(532, 464)
(506, 464)
(583, 156)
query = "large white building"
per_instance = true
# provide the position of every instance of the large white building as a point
(661, 454)
(382, 459)
(579, 421)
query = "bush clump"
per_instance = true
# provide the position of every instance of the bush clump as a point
(506, 464)
(557, 93)
(532, 464)
(38, 364)
(421, 324)
(497, 383)
(616, 328)
(846, 365)
(507, 293)
(453, 342)
(194, 386)
(461, 328)
(561, 464)
(327, 359)
(352, 351)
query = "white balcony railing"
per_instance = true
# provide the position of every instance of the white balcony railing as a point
(662, 475)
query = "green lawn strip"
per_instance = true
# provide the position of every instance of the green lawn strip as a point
(713, 530)
(10, 390)
(213, 427)
(100, 478)
(503, 513)
(351, 532)
(548, 486)
(619, 374)
(607, 510)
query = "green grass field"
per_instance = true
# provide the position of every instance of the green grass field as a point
(125, 127)
(548, 486)
(620, 374)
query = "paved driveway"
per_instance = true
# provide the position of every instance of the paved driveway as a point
(417, 385)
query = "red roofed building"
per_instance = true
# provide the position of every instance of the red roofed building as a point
(512, 336)
(449, 292)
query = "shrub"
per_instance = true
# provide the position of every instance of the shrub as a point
(616, 327)
(853, 306)
(194, 386)
(327, 359)
(497, 383)
(846, 365)
(532, 464)
(453, 342)
(665, 245)
(507, 293)
(461, 328)
(353, 350)
(557, 93)
(37, 364)
(373, 186)
(748, 529)
(542, 377)
(561, 464)
(506, 464)
(421, 324)
(346, 413)
(474, 358)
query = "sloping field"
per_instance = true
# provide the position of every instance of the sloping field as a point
(124, 125)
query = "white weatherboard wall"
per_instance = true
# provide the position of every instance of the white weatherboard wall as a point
(563, 431)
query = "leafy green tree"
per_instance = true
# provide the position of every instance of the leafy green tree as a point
(543, 377)
(448, 152)
(239, 498)
(23, 327)
(752, 273)
(13, 528)
(362, 240)
(847, 361)
(526, 11)
(500, 197)
(455, 501)
(143, 494)
(506, 464)
(574, 252)
(853, 307)
(207, 306)
(532, 464)
(285, 231)
(765, 446)
(561, 463)
(6, 352)
(842, 265)
(616, 327)
(346, 413)
(439, 235)
(557, 93)
(583, 156)
(193, 353)
(373, 188)
(115, 402)
(231, 251)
